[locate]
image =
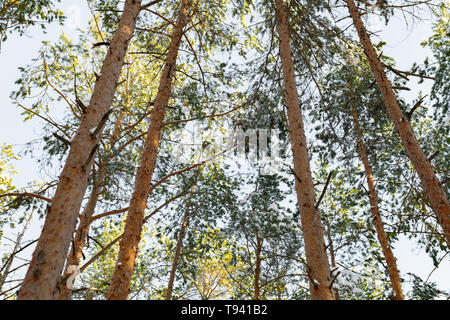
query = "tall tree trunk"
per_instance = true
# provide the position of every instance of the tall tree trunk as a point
(257, 287)
(176, 257)
(430, 184)
(79, 241)
(6, 268)
(332, 257)
(316, 255)
(374, 208)
(121, 279)
(51, 251)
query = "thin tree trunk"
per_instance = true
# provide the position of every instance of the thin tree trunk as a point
(10, 261)
(374, 208)
(430, 184)
(51, 251)
(121, 279)
(76, 253)
(257, 286)
(316, 255)
(332, 257)
(176, 258)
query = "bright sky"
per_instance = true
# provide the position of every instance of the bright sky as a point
(403, 45)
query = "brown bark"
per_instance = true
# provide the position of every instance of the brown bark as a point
(121, 279)
(79, 241)
(176, 257)
(430, 184)
(257, 286)
(332, 256)
(374, 208)
(316, 255)
(51, 251)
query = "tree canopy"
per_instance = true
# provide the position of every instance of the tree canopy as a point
(248, 149)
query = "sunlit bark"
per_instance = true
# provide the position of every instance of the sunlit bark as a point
(51, 251)
(430, 183)
(313, 233)
(121, 279)
(79, 241)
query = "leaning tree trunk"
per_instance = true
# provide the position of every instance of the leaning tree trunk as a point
(79, 241)
(51, 251)
(430, 183)
(176, 257)
(374, 208)
(313, 233)
(121, 279)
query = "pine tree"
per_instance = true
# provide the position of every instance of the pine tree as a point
(313, 233)
(50, 253)
(120, 282)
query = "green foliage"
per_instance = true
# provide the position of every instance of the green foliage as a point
(6, 168)
(6, 183)
(18, 15)
(439, 67)
(228, 76)
(422, 290)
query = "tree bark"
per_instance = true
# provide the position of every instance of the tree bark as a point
(374, 208)
(121, 279)
(176, 258)
(313, 233)
(79, 241)
(430, 183)
(332, 257)
(51, 251)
